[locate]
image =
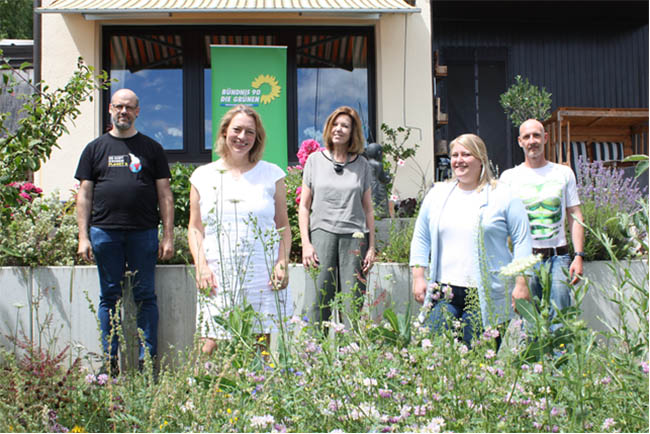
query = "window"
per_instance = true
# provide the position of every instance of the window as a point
(169, 69)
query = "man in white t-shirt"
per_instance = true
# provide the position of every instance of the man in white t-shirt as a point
(550, 195)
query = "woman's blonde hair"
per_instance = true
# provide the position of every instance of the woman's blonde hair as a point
(356, 135)
(476, 147)
(257, 150)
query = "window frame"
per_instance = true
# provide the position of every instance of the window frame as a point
(194, 57)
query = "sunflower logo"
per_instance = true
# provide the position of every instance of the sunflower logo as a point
(273, 84)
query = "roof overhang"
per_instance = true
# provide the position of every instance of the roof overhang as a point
(157, 9)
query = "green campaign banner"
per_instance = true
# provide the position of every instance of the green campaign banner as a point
(255, 76)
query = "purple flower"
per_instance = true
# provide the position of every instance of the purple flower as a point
(538, 368)
(102, 379)
(385, 393)
(90, 379)
(606, 380)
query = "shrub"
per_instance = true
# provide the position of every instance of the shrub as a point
(43, 232)
(44, 116)
(605, 193)
(523, 101)
(293, 182)
(180, 186)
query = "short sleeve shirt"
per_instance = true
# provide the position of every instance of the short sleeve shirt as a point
(124, 173)
(546, 193)
(337, 197)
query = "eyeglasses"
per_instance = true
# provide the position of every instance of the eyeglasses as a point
(120, 107)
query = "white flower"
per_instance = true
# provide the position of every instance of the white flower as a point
(369, 382)
(426, 343)
(400, 162)
(520, 266)
(262, 421)
(358, 235)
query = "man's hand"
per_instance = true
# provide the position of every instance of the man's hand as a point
(85, 250)
(575, 270)
(166, 248)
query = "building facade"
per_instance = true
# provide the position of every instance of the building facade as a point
(373, 55)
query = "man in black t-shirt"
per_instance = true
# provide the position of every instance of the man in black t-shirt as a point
(124, 178)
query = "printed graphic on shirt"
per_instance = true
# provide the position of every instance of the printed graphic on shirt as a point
(117, 161)
(131, 161)
(135, 165)
(543, 204)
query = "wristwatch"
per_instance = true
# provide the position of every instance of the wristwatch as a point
(581, 254)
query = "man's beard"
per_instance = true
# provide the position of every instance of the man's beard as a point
(121, 125)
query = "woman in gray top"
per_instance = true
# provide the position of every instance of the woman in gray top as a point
(336, 217)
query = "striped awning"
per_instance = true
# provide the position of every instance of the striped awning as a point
(114, 7)
(161, 51)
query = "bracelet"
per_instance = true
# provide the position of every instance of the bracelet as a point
(581, 254)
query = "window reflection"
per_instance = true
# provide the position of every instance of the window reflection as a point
(151, 65)
(332, 71)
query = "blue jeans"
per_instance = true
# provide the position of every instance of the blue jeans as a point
(443, 309)
(116, 251)
(560, 292)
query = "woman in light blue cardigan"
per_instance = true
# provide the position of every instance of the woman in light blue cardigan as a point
(461, 236)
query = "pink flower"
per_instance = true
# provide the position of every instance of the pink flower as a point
(537, 368)
(307, 148)
(644, 367)
(298, 192)
(102, 379)
(608, 423)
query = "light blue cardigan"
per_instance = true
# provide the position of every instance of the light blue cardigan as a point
(501, 214)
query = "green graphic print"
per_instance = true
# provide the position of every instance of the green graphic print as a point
(543, 203)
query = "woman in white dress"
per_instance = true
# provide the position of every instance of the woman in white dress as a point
(239, 232)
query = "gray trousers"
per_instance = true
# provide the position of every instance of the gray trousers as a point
(340, 257)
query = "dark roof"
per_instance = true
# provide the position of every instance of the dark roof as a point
(17, 51)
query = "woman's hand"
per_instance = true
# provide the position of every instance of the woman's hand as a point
(280, 277)
(419, 288)
(309, 256)
(520, 291)
(369, 260)
(205, 279)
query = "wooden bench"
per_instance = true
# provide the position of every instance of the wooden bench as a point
(607, 134)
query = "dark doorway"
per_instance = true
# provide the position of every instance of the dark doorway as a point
(476, 79)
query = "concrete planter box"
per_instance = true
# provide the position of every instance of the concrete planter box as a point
(57, 295)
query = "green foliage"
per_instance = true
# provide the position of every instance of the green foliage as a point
(642, 165)
(16, 19)
(523, 101)
(43, 232)
(44, 116)
(398, 246)
(180, 186)
(606, 219)
(293, 182)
